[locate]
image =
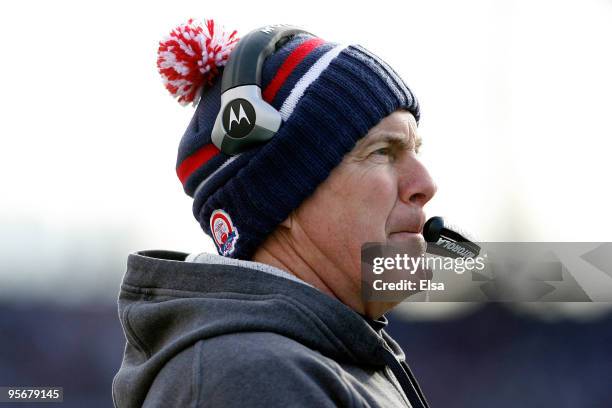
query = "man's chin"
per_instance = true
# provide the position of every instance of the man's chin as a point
(413, 242)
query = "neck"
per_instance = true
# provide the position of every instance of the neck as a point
(278, 251)
(290, 249)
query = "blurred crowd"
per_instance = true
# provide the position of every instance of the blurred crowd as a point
(490, 356)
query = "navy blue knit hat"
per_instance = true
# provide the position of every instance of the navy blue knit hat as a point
(329, 97)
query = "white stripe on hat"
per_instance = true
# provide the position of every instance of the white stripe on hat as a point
(309, 77)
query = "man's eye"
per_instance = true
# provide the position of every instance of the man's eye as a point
(383, 151)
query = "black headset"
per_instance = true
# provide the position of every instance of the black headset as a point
(245, 119)
(443, 241)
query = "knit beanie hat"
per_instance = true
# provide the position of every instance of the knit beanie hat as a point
(329, 97)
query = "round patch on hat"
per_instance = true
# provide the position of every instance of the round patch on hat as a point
(223, 231)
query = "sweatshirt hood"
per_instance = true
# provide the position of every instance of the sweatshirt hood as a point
(166, 305)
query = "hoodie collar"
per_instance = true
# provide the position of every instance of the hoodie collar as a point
(258, 301)
(207, 258)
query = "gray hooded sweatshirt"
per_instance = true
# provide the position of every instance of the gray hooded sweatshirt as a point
(227, 333)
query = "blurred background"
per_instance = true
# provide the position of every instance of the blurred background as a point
(516, 100)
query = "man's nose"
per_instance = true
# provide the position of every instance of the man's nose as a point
(415, 183)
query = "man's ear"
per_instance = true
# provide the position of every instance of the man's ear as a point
(288, 222)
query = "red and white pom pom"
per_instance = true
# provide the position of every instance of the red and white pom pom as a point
(189, 58)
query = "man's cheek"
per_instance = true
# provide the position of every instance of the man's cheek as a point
(382, 193)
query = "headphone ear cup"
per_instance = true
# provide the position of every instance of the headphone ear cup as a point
(244, 121)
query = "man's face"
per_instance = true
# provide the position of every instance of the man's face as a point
(376, 194)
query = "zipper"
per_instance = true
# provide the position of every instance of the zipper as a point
(405, 377)
(414, 382)
(398, 387)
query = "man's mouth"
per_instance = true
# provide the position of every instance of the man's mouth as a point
(411, 229)
(403, 235)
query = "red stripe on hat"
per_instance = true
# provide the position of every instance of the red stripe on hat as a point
(288, 66)
(197, 159)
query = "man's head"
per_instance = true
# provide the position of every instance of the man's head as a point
(330, 97)
(376, 194)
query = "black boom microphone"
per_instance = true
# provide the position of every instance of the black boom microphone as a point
(444, 241)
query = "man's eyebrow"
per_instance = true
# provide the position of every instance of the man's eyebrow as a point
(399, 138)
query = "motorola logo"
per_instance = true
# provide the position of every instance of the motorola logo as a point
(238, 118)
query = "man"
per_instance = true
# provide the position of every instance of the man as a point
(278, 319)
